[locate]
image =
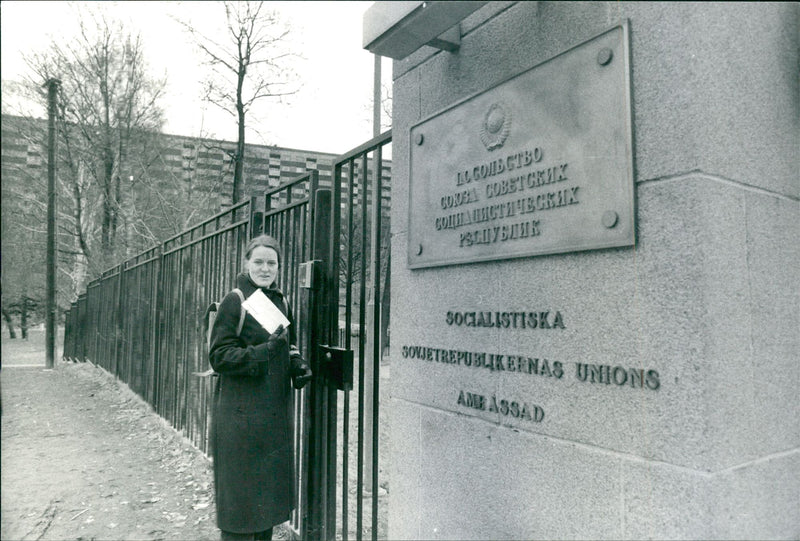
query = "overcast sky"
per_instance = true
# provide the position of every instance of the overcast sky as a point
(332, 112)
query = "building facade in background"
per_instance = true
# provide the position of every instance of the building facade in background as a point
(167, 184)
(206, 162)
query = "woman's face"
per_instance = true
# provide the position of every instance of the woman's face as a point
(263, 266)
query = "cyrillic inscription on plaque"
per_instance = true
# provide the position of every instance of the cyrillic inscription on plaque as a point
(539, 164)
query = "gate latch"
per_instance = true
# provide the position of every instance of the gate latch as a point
(307, 275)
(337, 366)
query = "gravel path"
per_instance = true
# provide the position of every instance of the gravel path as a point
(84, 458)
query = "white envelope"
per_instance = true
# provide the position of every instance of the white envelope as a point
(264, 310)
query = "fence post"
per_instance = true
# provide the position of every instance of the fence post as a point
(256, 218)
(155, 299)
(67, 349)
(94, 314)
(314, 521)
(82, 339)
(158, 308)
(119, 327)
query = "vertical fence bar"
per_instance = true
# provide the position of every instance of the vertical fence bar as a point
(203, 384)
(303, 424)
(376, 332)
(362, 346)
(160, 360)
(85, 329)
(315, 517)
(174, 334)
(154, 335)
(67, 325)
(333, 339)
(348, 323)
(65, 355)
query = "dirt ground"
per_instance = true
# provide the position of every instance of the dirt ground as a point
(85, 458)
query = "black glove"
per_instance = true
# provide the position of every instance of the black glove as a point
(263, 354)
(277, 339)
(299, 370)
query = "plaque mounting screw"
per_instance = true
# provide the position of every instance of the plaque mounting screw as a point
(419, 249)
(604, 56)
(419, 139)
(610, 218)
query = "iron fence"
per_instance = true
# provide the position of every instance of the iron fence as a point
(349, 467)
(288, 218)
(143, 322)
(143, 319)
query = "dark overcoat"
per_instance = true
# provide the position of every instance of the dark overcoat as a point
(251, 431)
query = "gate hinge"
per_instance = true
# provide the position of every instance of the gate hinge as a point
(337, 366)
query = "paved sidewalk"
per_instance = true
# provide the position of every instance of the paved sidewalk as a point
(84, 458)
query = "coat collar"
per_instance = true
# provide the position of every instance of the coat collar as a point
(244, 283)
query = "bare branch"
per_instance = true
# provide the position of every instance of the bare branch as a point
(245, 69)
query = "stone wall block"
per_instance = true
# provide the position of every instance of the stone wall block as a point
(773, 254)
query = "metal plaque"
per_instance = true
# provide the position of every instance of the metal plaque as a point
(539, 164)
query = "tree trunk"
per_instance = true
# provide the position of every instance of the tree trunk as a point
(109, 212)
(11, 334)
(23, 319)
(117, 206)
(238, 171)
(107, 216)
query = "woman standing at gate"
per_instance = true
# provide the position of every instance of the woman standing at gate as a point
(251, 431)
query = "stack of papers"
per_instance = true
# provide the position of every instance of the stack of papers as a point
(264, 310)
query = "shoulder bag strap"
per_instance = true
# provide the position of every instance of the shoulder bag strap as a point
(241, 311)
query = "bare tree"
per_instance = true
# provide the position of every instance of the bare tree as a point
(24, 209)
(23, 250)
(107, 104)
(107, 117)
(386, 108)
(251, 64)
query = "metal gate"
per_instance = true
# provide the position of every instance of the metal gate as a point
(335, 241)
(334, 237)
